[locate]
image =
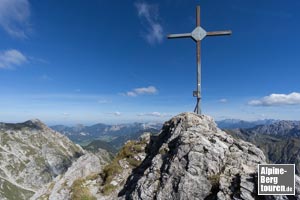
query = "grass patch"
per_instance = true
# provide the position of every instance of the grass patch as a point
(214, 180)
(128, 152)
(4, 138)
(51, 186)
(93, 176)
(163, 151)
(11, 191)
(108, 188)
(110, 171)
(80, 192)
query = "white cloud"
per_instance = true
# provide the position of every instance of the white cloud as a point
(114, 113)
(145, 90)
(149, 15)
(141, 91)
(154, 114)
(223, 100)
(277, 99)
(11, 58)
(131, 94)
(14, 17)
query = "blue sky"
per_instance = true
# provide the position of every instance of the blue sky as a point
(109, 61)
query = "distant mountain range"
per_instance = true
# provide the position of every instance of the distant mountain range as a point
(280, 140)
(237, 123)
(114, 135)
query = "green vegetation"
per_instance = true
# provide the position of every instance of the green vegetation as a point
(11, 191)
(4, 138)
(108, 188)
(107, 138)
(130, 149)
(80, 191)
(29, 150)
(51, 186)
(40, 161)
(214, 180)
(128, 152)
(163, 151)
(96, 144)
(93, 176)
(110, 171)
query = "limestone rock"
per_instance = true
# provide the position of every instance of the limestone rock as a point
(31, 155)
(85, 169)
(192, 159)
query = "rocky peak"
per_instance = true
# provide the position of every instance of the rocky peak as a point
(30, 124)
(282, 128)
(31, 154)
(36, 123)
(192, 159)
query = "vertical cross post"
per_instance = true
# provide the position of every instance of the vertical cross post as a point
(197, 35)
(198, 95)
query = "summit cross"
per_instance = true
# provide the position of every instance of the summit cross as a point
(197, 35)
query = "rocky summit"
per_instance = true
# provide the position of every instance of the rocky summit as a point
(193, 159)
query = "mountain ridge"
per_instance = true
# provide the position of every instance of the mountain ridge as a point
(238, 123)
(32, 154)
(280, 141)
(116, 135)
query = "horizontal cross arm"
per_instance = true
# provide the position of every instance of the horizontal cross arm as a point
(217, 33)
(182, 35)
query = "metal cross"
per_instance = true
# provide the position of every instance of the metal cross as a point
(197, 35)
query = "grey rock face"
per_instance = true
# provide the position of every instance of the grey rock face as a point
(192, 159)
(31, 155)
(88, 170)
(279, 141)
(87, 165)
(281, 128)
